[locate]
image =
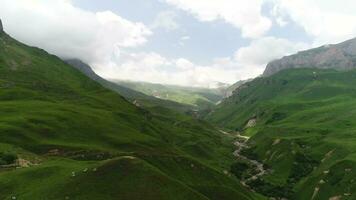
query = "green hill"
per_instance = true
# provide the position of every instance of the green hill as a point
(302, 123)
(74, 139)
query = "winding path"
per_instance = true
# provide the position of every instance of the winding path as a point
(241, 144)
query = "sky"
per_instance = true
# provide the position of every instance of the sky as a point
(198, 43)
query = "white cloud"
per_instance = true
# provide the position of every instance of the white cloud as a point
(152, 67)
(166, 20)
(106, 40)
(185, 38)
(184, 64)
(68, 31)
(327, 21)
(264, 50)
(245, 15)
(248, 62)
(102, 39)
(281, 22)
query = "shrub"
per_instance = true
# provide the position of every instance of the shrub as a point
(238, 169)
(7, 158)
(302, 167)
(278, 116)
(271, 190)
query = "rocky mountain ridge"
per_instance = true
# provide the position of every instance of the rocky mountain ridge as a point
(340, 56)
(1, 28)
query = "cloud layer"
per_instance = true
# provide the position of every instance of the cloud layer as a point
(327, 21)
(165, 20)
(67, 31)
(245, 15)
(247, 62)
(111, 43)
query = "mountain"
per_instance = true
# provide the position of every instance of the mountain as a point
(337, 56)
(87, 70)
(138, 98)
(65, 136)
(201, 98)
(302, 128)
(229, 90)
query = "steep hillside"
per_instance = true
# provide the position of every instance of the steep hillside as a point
(228, 91)
(201, 98)
(339, 56)
(74, 139)
(302, 123)
(146, 101)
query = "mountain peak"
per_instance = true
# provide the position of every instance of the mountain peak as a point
(340, 56)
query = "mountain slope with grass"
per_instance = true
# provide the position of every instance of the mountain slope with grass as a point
(228, 91)
(141, 99)
(302, 128)
(70, 138)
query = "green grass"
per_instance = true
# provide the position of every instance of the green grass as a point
(121, 178)
(305, 127)
(48, 106)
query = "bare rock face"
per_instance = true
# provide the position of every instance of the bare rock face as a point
(1, 29)
(339, 56)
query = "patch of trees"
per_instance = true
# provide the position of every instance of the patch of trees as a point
(238, 169)
(278, 116)
(270, 190)
(302, 167)
(7, 158)
(250, 153)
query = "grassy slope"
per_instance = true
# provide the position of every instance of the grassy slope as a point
(146, 101)
(48, 106)
(201, 97)
(305, 130)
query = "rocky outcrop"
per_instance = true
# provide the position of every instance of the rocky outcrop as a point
(1, 28)
(251, 123)
(229, 91)
(338, 56)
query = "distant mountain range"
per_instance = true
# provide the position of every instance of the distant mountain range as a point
(198, 97)
(88, 71)
(336, 56)
(171, 96)
(131, 95)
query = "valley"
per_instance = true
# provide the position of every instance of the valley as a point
(68, 137)
(258, 167)
(199, 98)
(67, 133)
